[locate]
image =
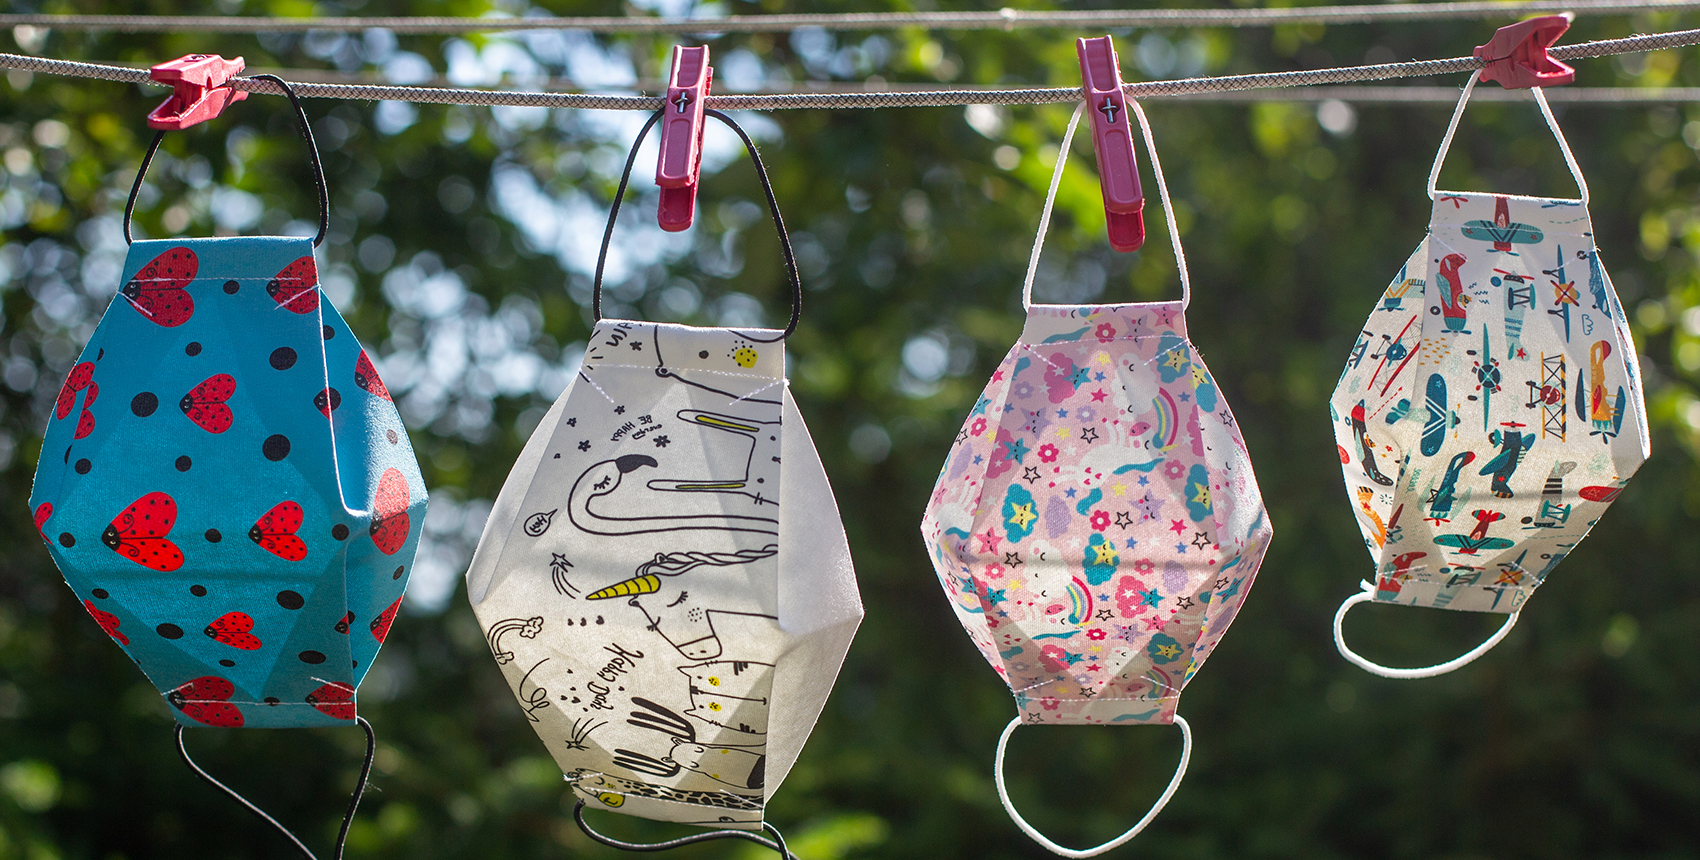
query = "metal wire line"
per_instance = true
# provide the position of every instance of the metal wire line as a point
(1000, 19)
(872, 99)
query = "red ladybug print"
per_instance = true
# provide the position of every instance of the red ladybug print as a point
(205, 403)
(80, 378)
(206, 701)
(296, 287)
(381, 625)
(275, 532)
(343, 625)
(366, 376)
(232, 628)
(389, 513)
(335, 699)
(107, 622)
(42, 512)
(139, 533)
(159, 292)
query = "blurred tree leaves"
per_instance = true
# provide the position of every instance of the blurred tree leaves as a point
(461, 248)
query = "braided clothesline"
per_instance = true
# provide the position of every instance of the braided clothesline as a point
(889, 99)
(1001, 19)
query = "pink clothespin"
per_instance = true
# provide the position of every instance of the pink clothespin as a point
(1517, 55)
(1112, 140)
(200, 91)
(681, 136)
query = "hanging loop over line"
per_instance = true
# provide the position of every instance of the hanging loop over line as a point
(1051, 198)
(777, 843)
(791, 274)
(1546, 112)
(353, 800)
(312, 157)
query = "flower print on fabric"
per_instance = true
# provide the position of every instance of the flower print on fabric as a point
(1115, 525)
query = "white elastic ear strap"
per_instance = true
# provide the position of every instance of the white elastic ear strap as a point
(1054, 848)
(1546, 111)
(1162, 193)
(1368, 594)
(1045, 216)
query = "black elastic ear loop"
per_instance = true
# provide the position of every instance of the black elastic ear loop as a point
(312, 157)
(777, 843)
(353, 800)
(772, 208)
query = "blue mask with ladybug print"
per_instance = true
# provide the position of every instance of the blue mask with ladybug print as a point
(227, 486)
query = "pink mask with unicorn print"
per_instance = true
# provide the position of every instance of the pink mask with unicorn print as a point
(1097, 524)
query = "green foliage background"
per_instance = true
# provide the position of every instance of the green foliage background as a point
(461, 241)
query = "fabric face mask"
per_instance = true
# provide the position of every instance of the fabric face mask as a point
(1097, 525)
(227, 486)
(1491, 408)
(664, 578)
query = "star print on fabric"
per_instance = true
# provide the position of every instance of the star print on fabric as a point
(619, 410)
(1222, 583)
(1090, 434)
(978, 459)
(1099, 377)
(1184, 603)
(1106, 553)
(1177, 526)
(1070, 492)
(1086, 692)
(1131, 543)
(662, 441)
(573, 421)
(1099, 395)
(1022, 515)
(961, 436)
(1062, 433)
(1153, 623)
(1149, 506)
(1175, 360)
(1150, 597)
(1200, 540)
(1180, 548)
(997, 376)
(1183, 397)
(1144, 480)
(1123, 520)
(637, 346)
(584, 446)
(1030, 474)
(1105, 615)
(989, 541)
(1062, 413)
(1018, 450)
(1013, 559)
(1127, 632)
(995, 596)
(1227, 419)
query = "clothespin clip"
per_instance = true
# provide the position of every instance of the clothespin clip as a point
(1518, 55)
(200, 91)
(1112, 140)
(680, 164)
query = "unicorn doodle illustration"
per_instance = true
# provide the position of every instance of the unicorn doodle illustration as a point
(663, 596)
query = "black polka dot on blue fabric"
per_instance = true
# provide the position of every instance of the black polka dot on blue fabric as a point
(144, 404)
(193, 349)
(313, 657)
(169, 631)
(276, 447)
(230, 288)
(83, 466)
(283, 358)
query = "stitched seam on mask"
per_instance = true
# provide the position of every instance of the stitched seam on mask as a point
(1167, 698)
(728, 373)
(586, 377)
(586, 774)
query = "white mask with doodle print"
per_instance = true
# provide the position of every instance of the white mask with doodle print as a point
(1491, 408)
(664, 579)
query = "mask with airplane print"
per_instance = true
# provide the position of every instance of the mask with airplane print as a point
(1097, 525)
(664, 579)
(1491, 408)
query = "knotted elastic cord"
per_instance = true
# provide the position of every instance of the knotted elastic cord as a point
(1546, 111)
(1368, 594)
(312, 157)
(1054, 848)
(1051, 197)
(772, 207)
(777, 843)
(347, 818)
